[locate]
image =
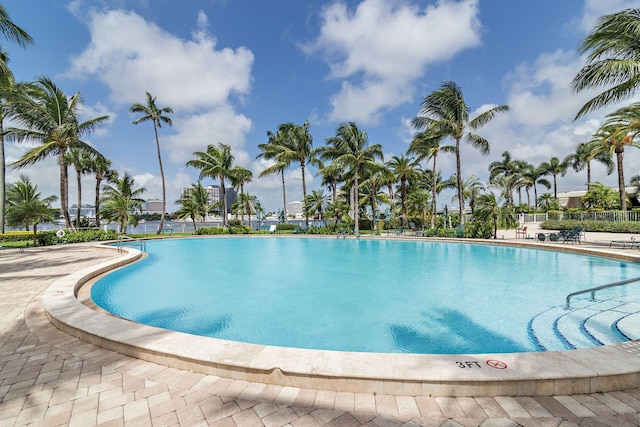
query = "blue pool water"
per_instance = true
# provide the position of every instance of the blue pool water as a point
(352, 294)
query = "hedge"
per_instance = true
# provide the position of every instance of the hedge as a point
(594, 226)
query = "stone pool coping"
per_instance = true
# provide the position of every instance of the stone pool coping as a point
(598, 369)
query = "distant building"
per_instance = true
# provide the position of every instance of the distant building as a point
(213, 195)
(295, 208)
(573, 199)
(152, 206)
(87, 211)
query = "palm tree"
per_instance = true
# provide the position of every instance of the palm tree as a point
(446, 114)
(216, 162)
(81, 162)
(350, 149)
(331, 177)
(157, 116)
(295, 145)
(14, 33)
(101, 167)
(505, 167)
(49, 118)
(531, 177)
(239, 176)
(375, 176)
(272, 151)
(600, 196)
(25, 207)
(404, 169)
(418, 204)
(613, 59)
(585, 153)
(315, 203)
(488, 210)
(555, 167)
(193, 205)
(247, 203)
(121, 201)
(507, 184)
(472, 188)
(427, 146)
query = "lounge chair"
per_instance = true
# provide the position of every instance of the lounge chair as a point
(272, 228)
(631, 243)
(521, 232)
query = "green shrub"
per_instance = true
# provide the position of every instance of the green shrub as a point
(205, 231)
(16, 236)
(285, 227)
(594, 226)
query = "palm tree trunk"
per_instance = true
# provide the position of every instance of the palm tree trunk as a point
(555, 187)
(223, 195)
(356, 205)
(284, 199)
(35, 234)
(304, 195)
(164, 192)
(588, 174)
(2, 177)
(64, 189)
(97, 203)
(434, 190)
(79, 180)
(460, 192)
(403, 196)
(623, 193)
(535, 196)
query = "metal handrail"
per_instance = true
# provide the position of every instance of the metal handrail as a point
(598, 288)
(126, 240)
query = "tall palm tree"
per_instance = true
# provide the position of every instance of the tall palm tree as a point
(121, 201)
(619, 131)
(507, 184)
(216, 163)
(584, 154)
(81, 163)
(25, 207)
(426, 145)
(272, 151)
(555, 167)
(350, 149)
(613, 60)
(331, 177)
(505, 167)
(101, 167)
(10, 31)
(446, 114)
(47, 117)
(239, 176)
(296, 146)
(150, 111)
(404, 169)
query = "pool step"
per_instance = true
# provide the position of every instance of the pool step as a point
(587, 324)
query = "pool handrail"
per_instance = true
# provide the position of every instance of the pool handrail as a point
(598, 288)
(123, 240)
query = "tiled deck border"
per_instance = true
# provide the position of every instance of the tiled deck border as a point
(584, 371)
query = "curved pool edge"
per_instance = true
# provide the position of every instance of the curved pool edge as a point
(599, 369)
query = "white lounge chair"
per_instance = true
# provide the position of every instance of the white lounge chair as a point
(272, 229)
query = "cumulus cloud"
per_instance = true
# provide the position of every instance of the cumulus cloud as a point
(131, 56)
(379, 49)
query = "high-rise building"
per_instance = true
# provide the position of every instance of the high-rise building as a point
(213, 195)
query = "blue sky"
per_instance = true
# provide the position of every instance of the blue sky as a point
(231, 70)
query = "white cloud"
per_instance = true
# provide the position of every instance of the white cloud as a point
(131, 56)
(381, 48)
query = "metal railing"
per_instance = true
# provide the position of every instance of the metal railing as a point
(592, 291)
(124, 240)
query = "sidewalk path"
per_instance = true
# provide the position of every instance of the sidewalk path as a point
(48, 379)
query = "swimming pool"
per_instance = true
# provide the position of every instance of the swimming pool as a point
(352, 295)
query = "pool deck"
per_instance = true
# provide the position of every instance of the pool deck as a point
(48, 377)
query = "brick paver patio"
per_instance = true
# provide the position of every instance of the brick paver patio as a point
(48, 378)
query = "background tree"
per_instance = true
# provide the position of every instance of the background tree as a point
(25, 207)
(446, 114)
(81, 163)
(121, 201)
(404, 170)
(272, 150)
(555, 167)
(426, 145)
(193, 205)
(613, 60)
(315, 203)
(472, 188)
(489, 210)
(239, 176)
(101, 167)
(600, 196)
(157, 116)
(584, 154)
(350, 149)
(48, 118)
(10, 31)
(216, 163)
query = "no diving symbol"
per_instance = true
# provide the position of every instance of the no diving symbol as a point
(497, 364)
